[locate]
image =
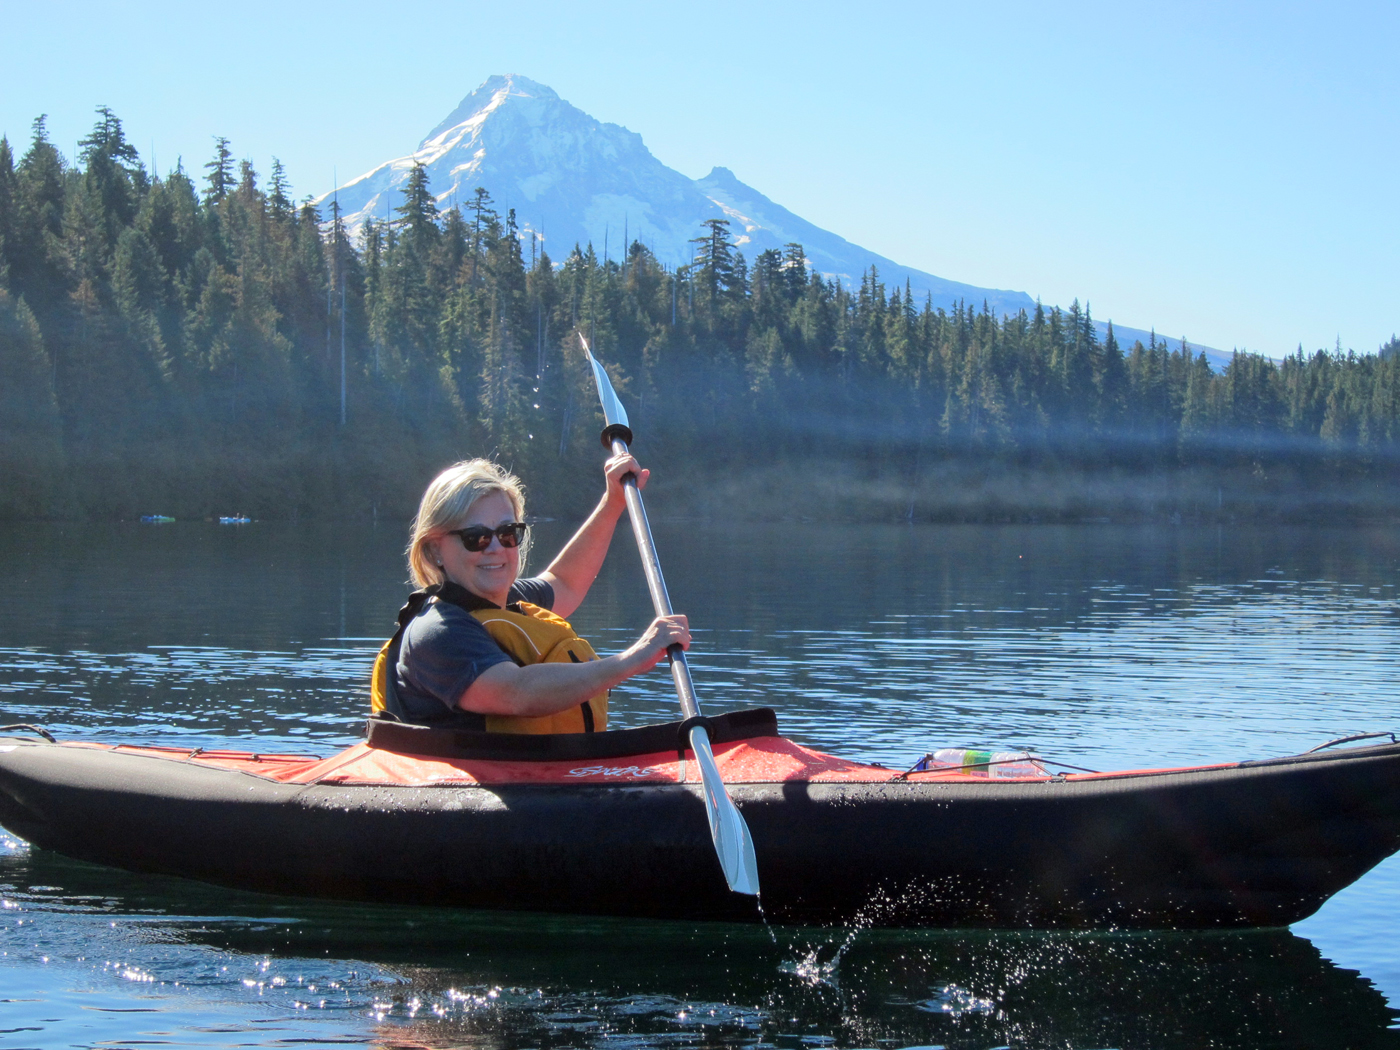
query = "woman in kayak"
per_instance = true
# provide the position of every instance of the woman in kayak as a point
(480, 648)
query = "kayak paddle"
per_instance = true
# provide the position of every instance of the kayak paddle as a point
(733, 843)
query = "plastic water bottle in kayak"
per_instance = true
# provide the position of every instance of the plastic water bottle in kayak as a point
(996, 765)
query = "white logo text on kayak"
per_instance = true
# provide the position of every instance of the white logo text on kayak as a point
(613, 771)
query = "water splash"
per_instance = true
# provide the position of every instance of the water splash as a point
(814, 973)
(956, 1001)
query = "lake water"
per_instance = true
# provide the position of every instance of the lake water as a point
(1099, 645)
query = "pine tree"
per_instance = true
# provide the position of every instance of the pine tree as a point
(504, 414)
(220, 180)
(137, 278)
(1198, 415)
(9, 204)
(483, 218)
(418, 214)
(113, 177)
(38, 256)
(278, 199)
(1112, 383)
(714, 262)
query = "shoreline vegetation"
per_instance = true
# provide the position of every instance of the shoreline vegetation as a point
(196, 347)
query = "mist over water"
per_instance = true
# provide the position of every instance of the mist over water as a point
(1102, 646)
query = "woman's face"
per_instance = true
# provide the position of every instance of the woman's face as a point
(488, 573)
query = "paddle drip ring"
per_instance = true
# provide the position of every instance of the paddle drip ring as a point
(683, 733)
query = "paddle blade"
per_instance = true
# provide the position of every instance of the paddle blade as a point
(733, 843)
(613, 411)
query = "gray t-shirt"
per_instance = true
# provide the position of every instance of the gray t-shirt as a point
(445, 648)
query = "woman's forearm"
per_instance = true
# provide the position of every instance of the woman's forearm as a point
(544, 689)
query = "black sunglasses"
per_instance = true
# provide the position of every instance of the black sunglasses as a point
(476, 538)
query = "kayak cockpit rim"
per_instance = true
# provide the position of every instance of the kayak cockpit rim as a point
(441, 742)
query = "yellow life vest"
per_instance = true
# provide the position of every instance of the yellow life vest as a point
(527, 633)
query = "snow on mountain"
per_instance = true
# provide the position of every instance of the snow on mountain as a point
(573, 179)
(570, 178)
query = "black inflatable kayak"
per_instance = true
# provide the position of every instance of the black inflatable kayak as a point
(613, 823)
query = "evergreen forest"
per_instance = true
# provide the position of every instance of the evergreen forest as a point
(200, 344)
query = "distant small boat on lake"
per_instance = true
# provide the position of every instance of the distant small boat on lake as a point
(236, 520)
(156, 519)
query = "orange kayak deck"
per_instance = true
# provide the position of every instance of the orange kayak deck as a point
(763, 760)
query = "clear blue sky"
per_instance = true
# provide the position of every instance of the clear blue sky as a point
(1227, 172)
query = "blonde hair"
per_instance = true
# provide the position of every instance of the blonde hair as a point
(445, 507)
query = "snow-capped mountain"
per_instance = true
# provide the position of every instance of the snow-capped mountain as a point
(573, 179)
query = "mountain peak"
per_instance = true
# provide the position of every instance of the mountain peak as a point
(517, 85)
(490, 95)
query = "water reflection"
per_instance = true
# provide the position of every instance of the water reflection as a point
(410, 976)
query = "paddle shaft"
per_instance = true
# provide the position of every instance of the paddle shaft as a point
(656, 583)
(733, 843)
